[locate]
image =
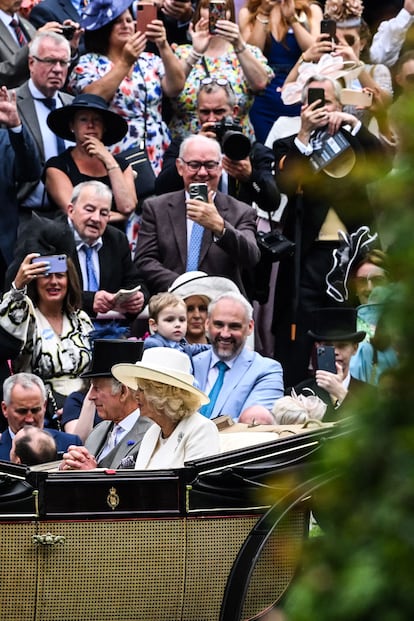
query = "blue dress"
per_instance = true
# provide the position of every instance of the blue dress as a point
(268, 105)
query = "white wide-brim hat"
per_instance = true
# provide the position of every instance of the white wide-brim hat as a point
(200, 283)
(160, 364)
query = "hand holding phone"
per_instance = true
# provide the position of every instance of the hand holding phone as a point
(328, 26)
(57, 263)
(198, 191)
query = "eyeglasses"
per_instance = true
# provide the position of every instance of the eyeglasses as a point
(375, 281)
(350, 39)
(51, 62)
(195, 166)
(25, 411)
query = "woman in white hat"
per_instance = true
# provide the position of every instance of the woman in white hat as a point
(167, 395)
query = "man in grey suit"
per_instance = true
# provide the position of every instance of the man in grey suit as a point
(118, 438)
(15, 34)
(227, 226)
(36, 97)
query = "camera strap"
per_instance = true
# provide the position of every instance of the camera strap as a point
(206, 69)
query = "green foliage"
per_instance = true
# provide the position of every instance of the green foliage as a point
(361, 569)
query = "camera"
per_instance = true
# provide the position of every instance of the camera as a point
(230, 135)
(68, 32)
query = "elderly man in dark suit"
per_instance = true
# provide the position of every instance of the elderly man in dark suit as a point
(180, 233)
(15, 34)
(24, 403)
(116, 440)
(100, 252)
(36, 98)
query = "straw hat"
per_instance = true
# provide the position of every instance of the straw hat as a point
(160, 364)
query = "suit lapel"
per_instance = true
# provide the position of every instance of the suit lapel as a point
(7, 40)
(177, 220)
(27, 109)
(208, 235)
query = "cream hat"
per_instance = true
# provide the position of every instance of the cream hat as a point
(160, 364)
(200, 283)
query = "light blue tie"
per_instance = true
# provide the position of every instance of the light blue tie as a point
(207, 410)
(194, 247)
(93, 284)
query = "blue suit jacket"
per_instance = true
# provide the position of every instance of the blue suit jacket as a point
(252, 380)
(63, 441)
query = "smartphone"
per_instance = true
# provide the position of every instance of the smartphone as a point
(328, 26)
(199, 191)
(351, 97)
(146, 13)
(216, 11)
(325, 358)
(58, 263)
(314, 94)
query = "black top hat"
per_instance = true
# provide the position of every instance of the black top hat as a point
(335, 324)
(59, 120)
(107, 352)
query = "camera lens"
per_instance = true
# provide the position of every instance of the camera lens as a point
(235, 145)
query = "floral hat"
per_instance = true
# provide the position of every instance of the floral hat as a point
(346, 13)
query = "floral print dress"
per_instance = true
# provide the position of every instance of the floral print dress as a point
(129, 101)
(184, 120)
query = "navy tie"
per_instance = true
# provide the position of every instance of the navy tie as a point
(93, 284)
(207, 410)
(194, 247)
(50, 102)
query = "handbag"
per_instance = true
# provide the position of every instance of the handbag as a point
(137, 157)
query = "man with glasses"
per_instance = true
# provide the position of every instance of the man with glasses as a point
(15, 34)
(24, 403)
(225, 226)
(249, 179)
(49, 59)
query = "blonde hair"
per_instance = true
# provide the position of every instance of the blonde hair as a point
(176, 403)
(158, 302)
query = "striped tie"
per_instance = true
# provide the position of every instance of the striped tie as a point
(194, 247)
(21, 39)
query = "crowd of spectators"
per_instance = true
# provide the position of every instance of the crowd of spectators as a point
(280, 116)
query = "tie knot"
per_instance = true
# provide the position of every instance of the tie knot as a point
(88, 251)
(49, 102)
(221, 366)
(14, 23)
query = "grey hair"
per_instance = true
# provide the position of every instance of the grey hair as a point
(209, 142)
(116, 386)
(213, 87)
(100, 189)
(42, 36)
(26, 380)
(235, 297)
(321, 78)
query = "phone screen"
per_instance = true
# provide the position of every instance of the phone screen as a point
(216, 11)
(314, 94)
(146, 13)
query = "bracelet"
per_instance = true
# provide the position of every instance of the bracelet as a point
(262, 21)
(293, 19)
(14, 288)
(112, 168)
(241, 49)
(302, 59)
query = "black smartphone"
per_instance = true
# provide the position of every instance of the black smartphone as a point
(325, 358)
(328, 26)
(216, 11)
(314, 94)
(57, 263)
(68, 32)
(199, 191)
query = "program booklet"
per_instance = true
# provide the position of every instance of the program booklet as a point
(123, 295)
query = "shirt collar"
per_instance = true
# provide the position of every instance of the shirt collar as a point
(80, 242)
